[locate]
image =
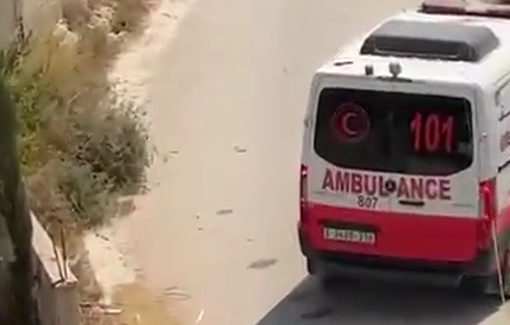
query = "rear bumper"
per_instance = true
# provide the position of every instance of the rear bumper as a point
(387, 268)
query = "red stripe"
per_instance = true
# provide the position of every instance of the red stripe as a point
(408, 236)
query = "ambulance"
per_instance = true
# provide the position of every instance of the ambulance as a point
(405, 168)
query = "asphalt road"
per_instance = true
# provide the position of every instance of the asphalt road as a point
(217, 232)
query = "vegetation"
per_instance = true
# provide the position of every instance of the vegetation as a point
(15, 216)
(80, 145)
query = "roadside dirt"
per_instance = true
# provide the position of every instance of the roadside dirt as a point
(141, 307)
(108, 250)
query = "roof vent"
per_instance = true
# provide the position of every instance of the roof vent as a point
(430, 40)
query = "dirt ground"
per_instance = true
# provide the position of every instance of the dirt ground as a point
(108, 250)
(142, 307)
(133, 304)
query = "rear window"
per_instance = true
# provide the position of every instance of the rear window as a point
(394, 132)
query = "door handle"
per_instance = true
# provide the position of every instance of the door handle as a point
(412, 203)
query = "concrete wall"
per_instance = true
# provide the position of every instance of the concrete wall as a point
(7, 22)
(37, 16)
(40, 15)
(57, 287)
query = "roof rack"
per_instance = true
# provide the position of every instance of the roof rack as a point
(465, 8)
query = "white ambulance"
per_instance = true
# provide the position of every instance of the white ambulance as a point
(406, 152)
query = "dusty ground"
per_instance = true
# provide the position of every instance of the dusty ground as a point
(109, 249)
(141, 306)
(216, 234)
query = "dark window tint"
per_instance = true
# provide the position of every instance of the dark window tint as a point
(394, 132)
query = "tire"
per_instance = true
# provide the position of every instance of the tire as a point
(490, 286)
(325, 280)
(475, 286)
(493, 289)
(506, 273)
(310, 267)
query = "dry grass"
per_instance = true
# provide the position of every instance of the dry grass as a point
(124, 15)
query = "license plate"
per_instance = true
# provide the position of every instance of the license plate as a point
(349, 235)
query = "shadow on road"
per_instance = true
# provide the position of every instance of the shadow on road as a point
(371, 304)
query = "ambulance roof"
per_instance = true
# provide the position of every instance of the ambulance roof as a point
(489, 37)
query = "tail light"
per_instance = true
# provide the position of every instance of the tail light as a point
(303, 193)
(488, 211)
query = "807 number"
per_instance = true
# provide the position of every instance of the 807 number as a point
(367, 202)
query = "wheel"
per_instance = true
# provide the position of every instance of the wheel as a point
(476, 285)
(493, 287)
(505, 268)
(490, 286)
(325, 280)
(310, 266)
(328, 281)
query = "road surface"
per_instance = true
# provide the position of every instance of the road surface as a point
(219, 225)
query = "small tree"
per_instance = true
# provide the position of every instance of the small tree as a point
(14, 209)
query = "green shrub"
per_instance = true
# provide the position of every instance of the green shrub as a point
(68, 193)
(88, 192)
(113, 142)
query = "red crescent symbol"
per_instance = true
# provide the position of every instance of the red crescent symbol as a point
(353, 132)
(345, 120)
